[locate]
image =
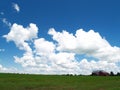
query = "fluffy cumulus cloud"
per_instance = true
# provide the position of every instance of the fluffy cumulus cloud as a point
(43, 47)
(59, 56)
(16, 7)
(20, 36)
(89, 43)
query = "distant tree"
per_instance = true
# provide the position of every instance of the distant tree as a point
(111, 73)
(93, 74)
(118, 74)
(69, 74)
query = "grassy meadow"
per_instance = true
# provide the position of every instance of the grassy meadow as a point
(58, 82)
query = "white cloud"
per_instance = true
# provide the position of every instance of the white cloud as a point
(21, 35)
(65, 40)
(88, 66)
(8, 70)
(43, 47)
(5, 21)
(26, 60)
(48, 57)
(2, 13)
(2, 50)
(16, 7)
(2, 68)
(89, 43)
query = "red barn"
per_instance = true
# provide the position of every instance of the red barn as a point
(100, 73)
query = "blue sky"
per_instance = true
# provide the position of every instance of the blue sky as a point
(51, 17)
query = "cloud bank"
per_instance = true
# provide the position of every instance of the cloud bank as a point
(59, 56)
(8, 70)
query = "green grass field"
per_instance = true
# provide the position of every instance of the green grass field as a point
(57, 82)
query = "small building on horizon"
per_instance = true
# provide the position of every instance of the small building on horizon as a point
(100, 73)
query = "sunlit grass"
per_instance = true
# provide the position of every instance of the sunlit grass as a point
(57, 82)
